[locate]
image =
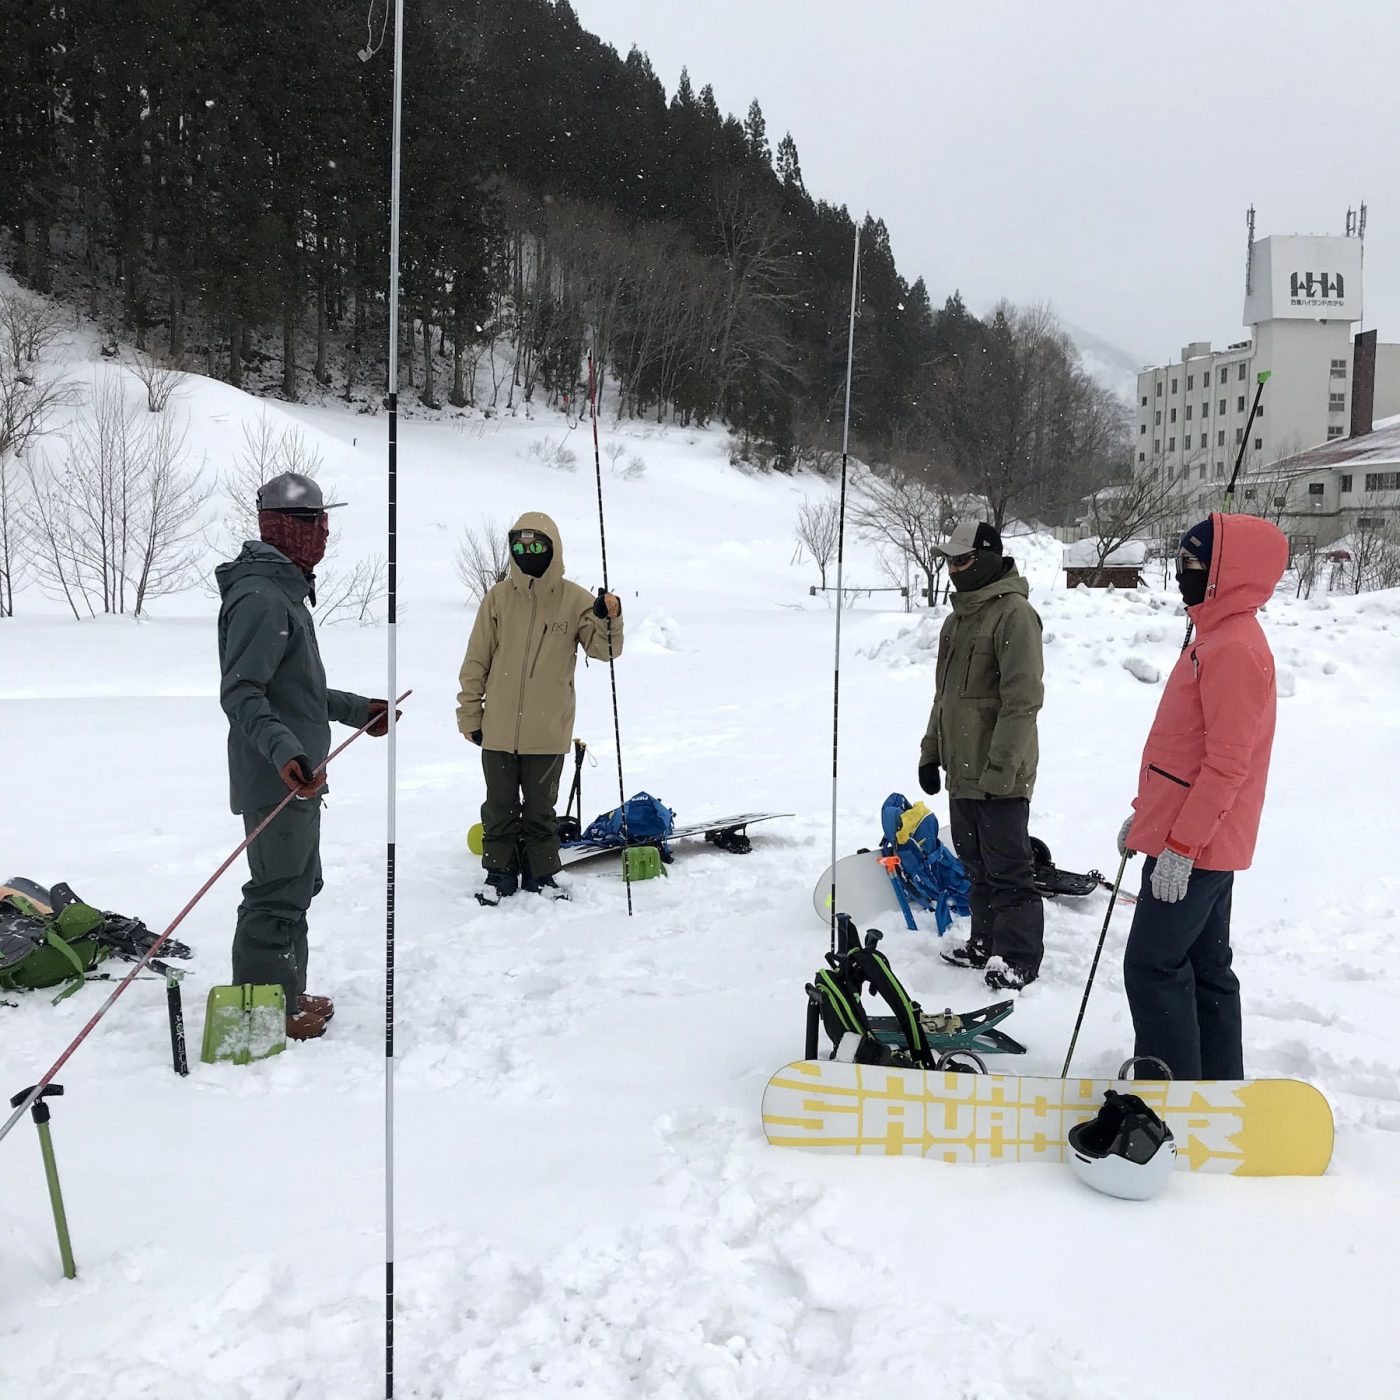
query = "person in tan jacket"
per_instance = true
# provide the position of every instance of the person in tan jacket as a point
(516, 701)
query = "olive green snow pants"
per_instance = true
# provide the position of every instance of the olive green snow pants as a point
(269, 940)
(519, 829)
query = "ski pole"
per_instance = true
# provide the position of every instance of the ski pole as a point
(1094, 966)
(175, 923)
(840, 575)
(33, 1098)
(1228, 504)
(612, 668)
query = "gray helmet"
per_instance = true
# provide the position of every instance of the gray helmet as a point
(293, 491)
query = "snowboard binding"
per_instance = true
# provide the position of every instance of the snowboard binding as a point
(734, 839)
(910, 1036)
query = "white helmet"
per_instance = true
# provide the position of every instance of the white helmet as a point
(1126, 1150)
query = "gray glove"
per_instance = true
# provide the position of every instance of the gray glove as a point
(1170, 877)
(1123, 831)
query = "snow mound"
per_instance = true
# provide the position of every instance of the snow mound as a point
(1141, 670)
(657, 632)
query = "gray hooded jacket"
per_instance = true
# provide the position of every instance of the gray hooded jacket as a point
(273, 686)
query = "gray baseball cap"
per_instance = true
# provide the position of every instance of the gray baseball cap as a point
(968, 538)
(293, 491)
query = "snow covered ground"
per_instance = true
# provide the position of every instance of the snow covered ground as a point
(586, 1204)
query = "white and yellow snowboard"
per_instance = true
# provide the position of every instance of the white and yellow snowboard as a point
(1251, 1127)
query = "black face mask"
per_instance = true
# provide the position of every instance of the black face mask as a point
(534, 565)
(987, 567)
(1193, 583)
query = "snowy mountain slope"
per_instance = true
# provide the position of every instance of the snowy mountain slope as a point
(586, 1206)
(1111, 365)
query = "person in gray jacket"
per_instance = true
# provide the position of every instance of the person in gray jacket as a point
(273, 690)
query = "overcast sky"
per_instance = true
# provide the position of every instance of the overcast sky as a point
(1097, 153)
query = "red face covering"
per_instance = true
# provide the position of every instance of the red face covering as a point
(302, 541)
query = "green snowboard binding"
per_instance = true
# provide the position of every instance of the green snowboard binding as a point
(910, 1036)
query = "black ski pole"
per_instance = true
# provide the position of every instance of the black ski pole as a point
(612, 668)
(1094, 966)
(1227, 506)
(840, 573)
(33, 1097)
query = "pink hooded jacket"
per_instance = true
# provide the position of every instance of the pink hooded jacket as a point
(1206, 762)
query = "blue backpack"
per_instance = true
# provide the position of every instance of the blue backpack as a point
(648, 821)
(930, 875)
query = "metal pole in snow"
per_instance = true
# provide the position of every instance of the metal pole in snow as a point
(389, 859)
(840, 577)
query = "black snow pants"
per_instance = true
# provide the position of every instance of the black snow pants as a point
(992, 839)
(1182, 991)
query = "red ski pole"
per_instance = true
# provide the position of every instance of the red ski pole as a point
(175, 923)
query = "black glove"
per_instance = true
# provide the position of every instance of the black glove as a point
(300, 779)
(928, 778)
(601, 605)
(475, 737)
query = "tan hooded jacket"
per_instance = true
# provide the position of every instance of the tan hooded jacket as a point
(517, 681)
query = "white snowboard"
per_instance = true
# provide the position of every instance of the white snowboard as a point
(866, 893)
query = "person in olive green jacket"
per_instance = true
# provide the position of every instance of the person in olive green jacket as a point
(517, 701)
(982, 734)
(273, 690)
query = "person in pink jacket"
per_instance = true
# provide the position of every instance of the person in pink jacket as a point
(1200, 794)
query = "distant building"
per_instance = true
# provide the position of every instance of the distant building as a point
(1302, 294)
(1332, 491)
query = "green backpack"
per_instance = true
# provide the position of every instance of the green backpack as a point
(39, 948)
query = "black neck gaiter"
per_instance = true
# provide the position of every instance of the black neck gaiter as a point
(1193, 584)
(986, 568)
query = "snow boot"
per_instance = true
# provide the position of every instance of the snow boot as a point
(966, 955)
(1003, 976)
(323, 1007)
(305, 1025)
(500, 884)
(545, 884)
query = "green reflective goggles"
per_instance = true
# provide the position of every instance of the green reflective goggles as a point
(529, 547)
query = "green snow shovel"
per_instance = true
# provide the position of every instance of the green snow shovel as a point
(244, 1023)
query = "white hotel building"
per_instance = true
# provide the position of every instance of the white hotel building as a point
(1302, 295)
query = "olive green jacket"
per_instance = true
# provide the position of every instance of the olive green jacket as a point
(517, 681)
(982, 731)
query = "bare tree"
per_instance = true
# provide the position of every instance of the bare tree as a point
(117, 524)
(161, 378)
(269, 449)
(818, 527)
(483, 557)
(50, 535)
(910, 514)
(1271, 492)
(14, 553)
(1127, 510)
(1021, 420)
(351, 596)
(28, 327)
(1375, 549)
(168, 517)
